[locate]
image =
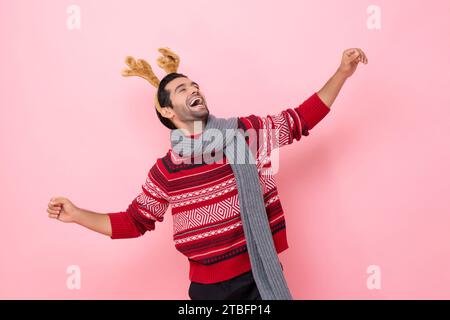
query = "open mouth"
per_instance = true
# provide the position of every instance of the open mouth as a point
(196, 102)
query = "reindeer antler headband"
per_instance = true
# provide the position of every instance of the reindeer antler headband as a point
(169, 62)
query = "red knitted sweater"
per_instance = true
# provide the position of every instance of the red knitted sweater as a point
(207, 227)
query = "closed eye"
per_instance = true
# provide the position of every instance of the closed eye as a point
(195, 84)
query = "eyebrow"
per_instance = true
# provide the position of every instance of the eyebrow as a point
(183, 84)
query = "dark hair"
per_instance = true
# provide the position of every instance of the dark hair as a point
(164, 97)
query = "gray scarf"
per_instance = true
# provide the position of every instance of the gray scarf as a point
(266, 267)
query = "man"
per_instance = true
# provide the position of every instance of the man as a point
(203, 196)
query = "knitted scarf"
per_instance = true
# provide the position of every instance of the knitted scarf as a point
(266, 267)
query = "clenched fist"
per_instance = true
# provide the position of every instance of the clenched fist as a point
(350, 59)
(62, 209)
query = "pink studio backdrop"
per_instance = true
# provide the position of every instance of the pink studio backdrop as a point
(369, 186)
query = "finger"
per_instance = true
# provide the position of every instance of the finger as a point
(55, 207)
(54, 203)
(53, 211)
(354, 57)
(363, 56)
(59, 200)
(53, 216)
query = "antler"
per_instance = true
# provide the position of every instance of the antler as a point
(142, 69)
(169, 61)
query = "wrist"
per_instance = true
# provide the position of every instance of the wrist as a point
(341, 74)
(77, 215)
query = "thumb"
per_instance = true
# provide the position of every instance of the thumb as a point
(59, 200)
(355, 54)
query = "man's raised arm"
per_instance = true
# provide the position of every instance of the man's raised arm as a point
(350, 59)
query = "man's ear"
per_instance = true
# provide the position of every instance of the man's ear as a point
(167, 112)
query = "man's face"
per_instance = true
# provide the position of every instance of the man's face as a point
(188, 102)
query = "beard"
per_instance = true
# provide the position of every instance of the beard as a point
(194, 113)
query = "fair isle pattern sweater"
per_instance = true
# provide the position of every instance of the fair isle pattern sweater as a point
(203, 197)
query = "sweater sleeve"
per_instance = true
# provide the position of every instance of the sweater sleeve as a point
(288, 125)
(141, 215)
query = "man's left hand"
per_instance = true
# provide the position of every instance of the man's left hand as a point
(350, 59)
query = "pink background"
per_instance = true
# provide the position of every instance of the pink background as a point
(369, 186)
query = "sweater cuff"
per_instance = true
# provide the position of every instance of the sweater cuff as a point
(311, 111)
(122, 227)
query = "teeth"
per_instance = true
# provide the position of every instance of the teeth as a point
(193, 101)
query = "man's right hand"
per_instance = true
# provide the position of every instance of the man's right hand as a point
(62, 209)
